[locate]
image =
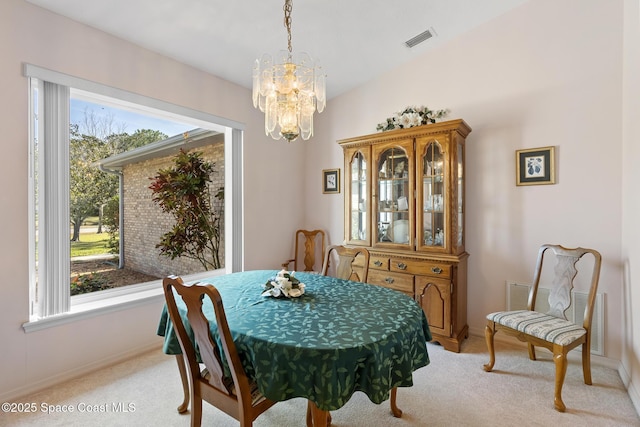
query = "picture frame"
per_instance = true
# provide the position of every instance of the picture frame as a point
(330, 181)
(535, 166)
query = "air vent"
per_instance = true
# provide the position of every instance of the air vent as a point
(518, 297)
(426, 35)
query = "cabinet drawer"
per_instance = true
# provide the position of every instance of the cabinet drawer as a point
(379, 262)
(422, 267)
(396, 281)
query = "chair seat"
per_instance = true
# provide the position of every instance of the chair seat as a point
(256, 396)
(540, 325)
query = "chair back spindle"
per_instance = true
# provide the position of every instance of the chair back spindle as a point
(347, 266)
(308, 252)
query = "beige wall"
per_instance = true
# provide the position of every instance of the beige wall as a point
(546, 73)
(145, 223)
(630, 200)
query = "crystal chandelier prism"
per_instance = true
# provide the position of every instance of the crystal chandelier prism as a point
(288, 88)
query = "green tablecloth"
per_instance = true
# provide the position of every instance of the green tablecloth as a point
(337, 338)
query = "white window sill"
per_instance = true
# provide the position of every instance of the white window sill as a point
(111, 300)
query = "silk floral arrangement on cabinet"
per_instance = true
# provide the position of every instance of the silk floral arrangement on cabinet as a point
(411, 116)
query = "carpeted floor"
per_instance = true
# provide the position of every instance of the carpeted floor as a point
(452, 391)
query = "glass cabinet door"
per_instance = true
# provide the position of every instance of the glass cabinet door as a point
(433, 198)
(394, 195)
(357, 197)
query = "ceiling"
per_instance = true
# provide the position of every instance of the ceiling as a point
(354, 40)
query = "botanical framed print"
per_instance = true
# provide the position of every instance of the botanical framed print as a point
(535, 166)
(331, 180)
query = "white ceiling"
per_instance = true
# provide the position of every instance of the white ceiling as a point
(354, 40)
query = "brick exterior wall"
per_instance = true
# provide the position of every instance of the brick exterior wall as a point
(145, 223)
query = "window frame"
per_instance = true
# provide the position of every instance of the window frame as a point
(82, 306)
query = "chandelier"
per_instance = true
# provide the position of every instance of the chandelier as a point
(288, 89)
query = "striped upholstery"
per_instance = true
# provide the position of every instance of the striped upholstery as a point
(540, 325)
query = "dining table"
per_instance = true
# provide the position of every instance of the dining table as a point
(337, 338)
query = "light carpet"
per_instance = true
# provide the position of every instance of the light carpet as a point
(453, 390)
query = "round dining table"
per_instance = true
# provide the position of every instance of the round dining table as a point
(337, 338)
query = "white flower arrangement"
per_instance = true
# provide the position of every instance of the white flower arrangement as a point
(410, 117)
(284, 285)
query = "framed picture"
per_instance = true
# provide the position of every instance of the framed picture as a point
(535, 166)
(331, 180)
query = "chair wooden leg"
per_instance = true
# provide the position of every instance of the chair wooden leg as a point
(488, 334)
(532, 351)
(316, 417)
(586, 362)
(196, 411)
(397, 412)
(311, 421)
(309, 416)
(560, 359)
(185, 384)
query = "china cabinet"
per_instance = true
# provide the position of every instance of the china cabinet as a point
(405, 202)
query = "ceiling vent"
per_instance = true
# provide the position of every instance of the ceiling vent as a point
(426, 35)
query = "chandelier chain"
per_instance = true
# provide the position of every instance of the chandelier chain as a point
(287, 20)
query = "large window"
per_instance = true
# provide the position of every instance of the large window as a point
(99, 130)
(77, 124)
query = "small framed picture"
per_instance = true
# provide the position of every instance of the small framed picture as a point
(331, 180)
(535, 166)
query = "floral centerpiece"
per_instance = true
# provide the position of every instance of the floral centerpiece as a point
(284, 284)
(410, 117)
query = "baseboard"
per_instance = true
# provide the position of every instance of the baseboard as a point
(634, 396)
(13, 395)
(631, 388)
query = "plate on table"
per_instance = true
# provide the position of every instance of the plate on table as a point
(401, 231)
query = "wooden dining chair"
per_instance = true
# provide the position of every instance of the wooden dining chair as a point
(552, 330)
(346, 265)
(237, 396)
(309, 251)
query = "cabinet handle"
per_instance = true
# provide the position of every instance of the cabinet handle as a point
(378, 263)
(402, 266)
(389, 280)
(436, 270)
